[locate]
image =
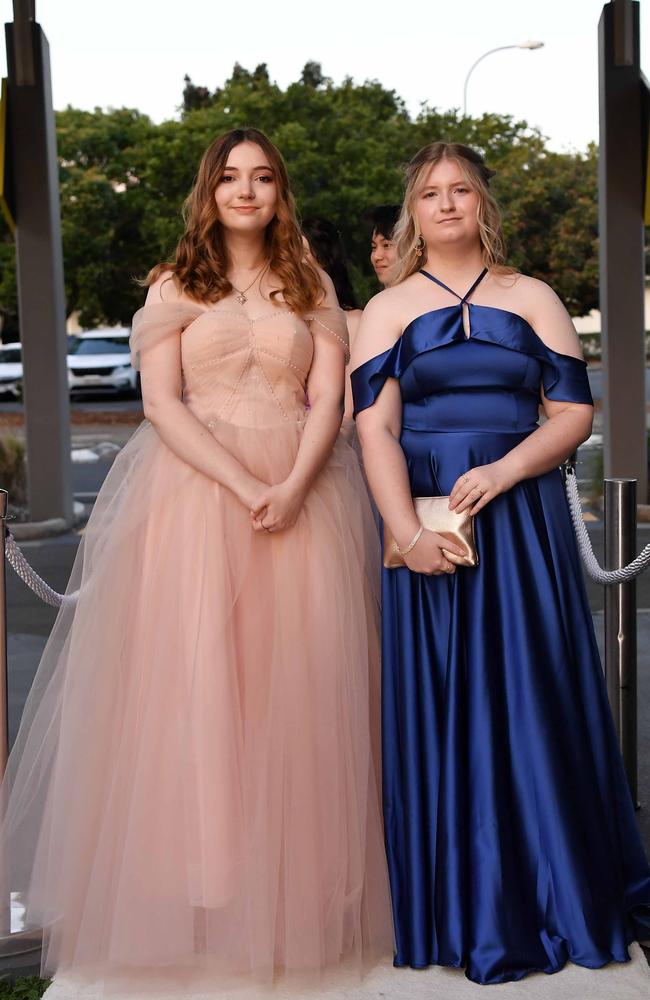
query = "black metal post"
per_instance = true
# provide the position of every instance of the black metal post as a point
(41, 297)
(620, 620)
(621, 184)
(20, 945)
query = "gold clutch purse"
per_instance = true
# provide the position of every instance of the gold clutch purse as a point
(434, 515)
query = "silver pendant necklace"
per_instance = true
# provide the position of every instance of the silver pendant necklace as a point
(241, 294)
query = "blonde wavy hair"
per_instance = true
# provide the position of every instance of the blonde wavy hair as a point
(200, 262)
(406, 235)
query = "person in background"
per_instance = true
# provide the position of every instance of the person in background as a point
(382, 220)
(325, 248)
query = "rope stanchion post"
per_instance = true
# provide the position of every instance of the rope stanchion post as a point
(620, 620)
(5, 899)
(622, 568)
(20, 945)
(4, 679)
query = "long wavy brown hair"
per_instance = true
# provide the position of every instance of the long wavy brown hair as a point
(473, 167)
(200, 263)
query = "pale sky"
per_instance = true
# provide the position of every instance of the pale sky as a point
(135, 53)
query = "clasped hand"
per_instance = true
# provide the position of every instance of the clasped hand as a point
(276, 507)
(428, 555)
(472, 491)
(476, 487)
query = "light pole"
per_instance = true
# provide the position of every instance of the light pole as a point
(500, 48)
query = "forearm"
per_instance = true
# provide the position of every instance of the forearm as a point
(387, 474)
(192, 442)
(316, 443)
(547, 447)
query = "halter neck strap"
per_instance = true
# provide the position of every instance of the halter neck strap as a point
(462, 299)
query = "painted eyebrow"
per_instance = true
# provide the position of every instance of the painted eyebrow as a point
(236, 169)
(435, 187)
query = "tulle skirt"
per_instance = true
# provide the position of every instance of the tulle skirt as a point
(194, 786)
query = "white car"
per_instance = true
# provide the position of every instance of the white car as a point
(11, 370)
(100, 360)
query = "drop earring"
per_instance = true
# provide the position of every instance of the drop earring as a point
(419, 246)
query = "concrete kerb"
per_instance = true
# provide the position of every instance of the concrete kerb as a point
(24, 531)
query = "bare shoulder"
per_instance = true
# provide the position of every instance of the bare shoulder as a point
(329, 298)
(380, 327)
(353, 319)
(395, 302)
(544, 310)
(164, 289)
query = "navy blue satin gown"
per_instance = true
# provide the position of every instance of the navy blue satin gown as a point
(511, 837)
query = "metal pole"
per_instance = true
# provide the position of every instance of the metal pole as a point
(620, 620)
(5, 899)
(621, 181)
(39, 256)
(500, 48)
(4, 677)
(20, 944)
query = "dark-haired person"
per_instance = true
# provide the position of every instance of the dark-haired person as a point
(511, 836)
(327, 250)
(382, 221)
(193, 791)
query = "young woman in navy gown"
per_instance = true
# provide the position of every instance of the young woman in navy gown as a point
(510, 830)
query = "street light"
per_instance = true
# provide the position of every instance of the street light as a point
(500, 48)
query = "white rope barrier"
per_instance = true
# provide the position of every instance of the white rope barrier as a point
(30, 577)
(595, 571)
(48, 595)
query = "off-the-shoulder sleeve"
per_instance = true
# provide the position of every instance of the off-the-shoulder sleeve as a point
(368, 379)
(153, 323)
(565, 378)
(329, 320)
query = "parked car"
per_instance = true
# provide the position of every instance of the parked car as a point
(11, 370)
(100, 360)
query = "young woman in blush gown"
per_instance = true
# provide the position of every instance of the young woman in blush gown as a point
(511, 836)
(193, 790)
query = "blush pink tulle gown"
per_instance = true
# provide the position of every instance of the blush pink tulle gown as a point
(194, 787)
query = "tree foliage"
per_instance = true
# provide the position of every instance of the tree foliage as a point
(124, 179)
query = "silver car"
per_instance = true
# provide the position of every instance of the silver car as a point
(100, 361)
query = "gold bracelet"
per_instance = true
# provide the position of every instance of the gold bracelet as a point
(413, 543)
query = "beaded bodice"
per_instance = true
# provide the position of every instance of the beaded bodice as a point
(250, 371)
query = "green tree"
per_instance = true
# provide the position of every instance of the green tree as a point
(312, 75)
(104, 211)
(8, 289)
(124, 179)
(551, 223)
(195, 97)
